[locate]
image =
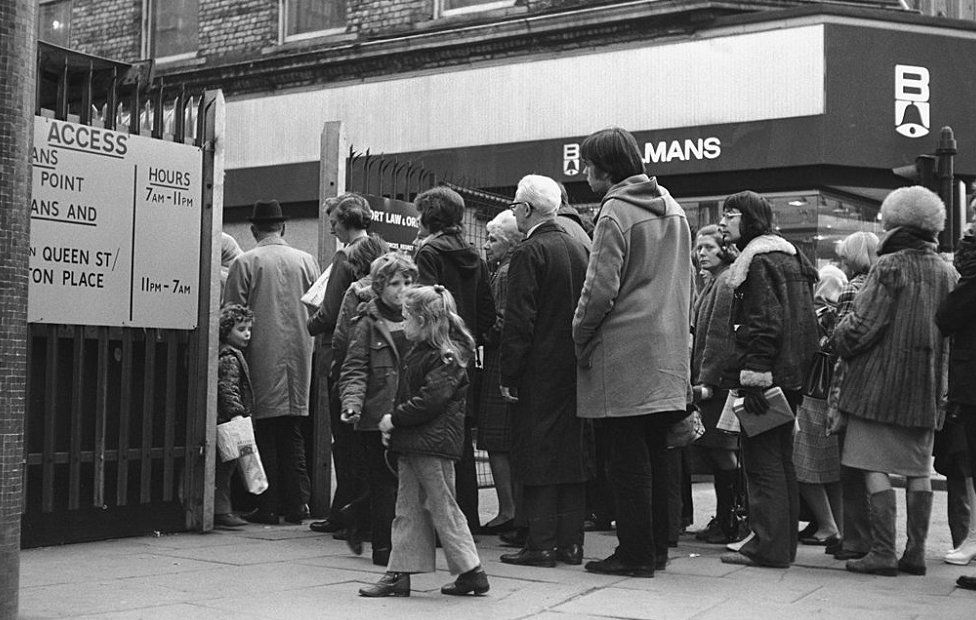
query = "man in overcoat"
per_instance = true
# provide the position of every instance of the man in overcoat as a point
(270, 279)
(552, 448)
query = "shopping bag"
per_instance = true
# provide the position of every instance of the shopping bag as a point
(687, 430)
(252, 471)
(232, 436)
(779, 413)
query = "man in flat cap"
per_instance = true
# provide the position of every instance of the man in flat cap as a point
(270, 279)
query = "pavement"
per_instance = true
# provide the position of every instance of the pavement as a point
(290, 572)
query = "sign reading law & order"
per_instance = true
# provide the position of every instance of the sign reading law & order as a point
(115, 228)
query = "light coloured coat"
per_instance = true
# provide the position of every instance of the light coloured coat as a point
(270, 279)
(631, 324)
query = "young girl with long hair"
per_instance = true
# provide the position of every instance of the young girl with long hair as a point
(426, 432)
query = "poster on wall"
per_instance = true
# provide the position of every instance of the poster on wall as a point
(394, 220)
(115, 228)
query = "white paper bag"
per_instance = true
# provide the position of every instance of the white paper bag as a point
(252, 471)
(234, 435)
(728, 421)
(315, 293)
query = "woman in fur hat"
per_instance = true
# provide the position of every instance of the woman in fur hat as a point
(775, 341)
(894, 386)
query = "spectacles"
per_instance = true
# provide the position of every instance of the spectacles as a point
(515, 204)
(730, 215)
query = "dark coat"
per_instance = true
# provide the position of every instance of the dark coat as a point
(772, 307)
(234, 394)
(429, 415)
(447, 259)
(368, 381)
(551, 445)
(897, 359)
(957, 318)
(342, 275)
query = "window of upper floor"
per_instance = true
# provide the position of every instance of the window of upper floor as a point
(171, 29)
(447, 8)
(54, 21)
(305, 19)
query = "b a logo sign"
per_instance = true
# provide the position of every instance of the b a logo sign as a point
(912, 101)
(571, 159)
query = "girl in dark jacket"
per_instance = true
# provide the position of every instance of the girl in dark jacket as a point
(426, 431)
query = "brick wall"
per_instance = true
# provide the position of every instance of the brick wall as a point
(374, 17)
(108, 28)
(231, 28)
(17, 65)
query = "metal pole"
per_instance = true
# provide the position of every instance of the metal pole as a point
(945, 155)
(18, 49)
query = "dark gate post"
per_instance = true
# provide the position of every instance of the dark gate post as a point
(944, 155)
(18, 50)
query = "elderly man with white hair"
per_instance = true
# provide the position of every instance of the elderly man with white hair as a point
(552, 449)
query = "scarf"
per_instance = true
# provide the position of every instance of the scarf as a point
(907, 238)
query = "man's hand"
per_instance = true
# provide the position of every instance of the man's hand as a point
(753, 400)
(386, 423)
(349, 416)
(510, 395)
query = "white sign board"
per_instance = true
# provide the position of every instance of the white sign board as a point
(115, 228)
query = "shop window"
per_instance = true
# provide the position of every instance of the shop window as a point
(54, 22)
(173, 29)
(304, 19)
(459, 7)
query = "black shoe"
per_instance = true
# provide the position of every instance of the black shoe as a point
(833, 546)
(572, 554)
(342, 534)
(475, 581)
(844, 554)
(808, 531)
(614, 566)
(709, 531)
(501, 528)
(531, 557)
(298, 517)
(515, 538)
(325, 527)
(262, 516)
(966, 582)
(390, 584)
(381, 556)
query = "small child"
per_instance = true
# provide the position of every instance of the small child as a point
(234, 398)
(367, 391)
(426, 431)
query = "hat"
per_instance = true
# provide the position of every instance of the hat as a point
(913, 206)
(266, 211)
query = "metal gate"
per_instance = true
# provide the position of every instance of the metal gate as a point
(117, 418)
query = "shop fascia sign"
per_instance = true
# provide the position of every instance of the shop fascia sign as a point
(912, 113)
(662, 151)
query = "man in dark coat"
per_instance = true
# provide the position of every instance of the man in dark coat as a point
(552, 448)
(446, 258)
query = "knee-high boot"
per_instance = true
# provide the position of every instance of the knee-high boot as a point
(881, 560)
(725, 494)
(919, 509)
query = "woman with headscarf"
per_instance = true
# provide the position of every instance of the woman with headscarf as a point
(494, 414)
(858, 252)
(775, 341)
(816, 454)
(894, 385)
(711, 349)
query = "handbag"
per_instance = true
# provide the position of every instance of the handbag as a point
(687, 430)
(817, 384)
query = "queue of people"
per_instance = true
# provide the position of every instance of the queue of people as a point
(611, 342)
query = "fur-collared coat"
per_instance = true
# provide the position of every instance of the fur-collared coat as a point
(897, 359)
(773, 316)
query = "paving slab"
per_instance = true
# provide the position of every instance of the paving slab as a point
(51, 569)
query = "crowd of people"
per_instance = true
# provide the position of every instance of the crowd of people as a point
(593, 347)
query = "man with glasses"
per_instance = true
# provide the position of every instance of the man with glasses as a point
(552, 450)
(631, 333)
